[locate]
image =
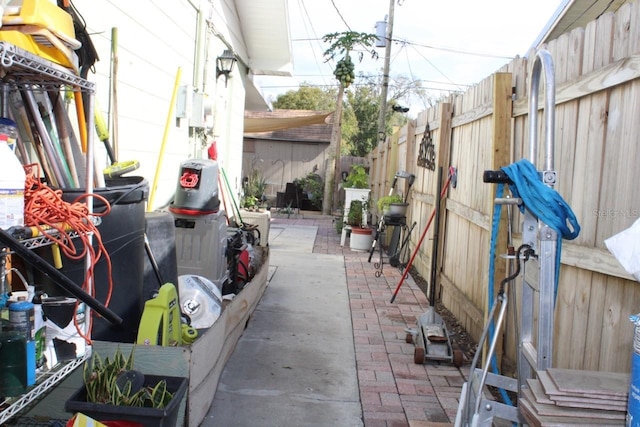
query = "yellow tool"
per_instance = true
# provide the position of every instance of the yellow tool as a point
(160, 323)
(120, 168)
(116, 169)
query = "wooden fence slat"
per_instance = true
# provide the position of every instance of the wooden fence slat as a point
(578, 343)
(595, 320)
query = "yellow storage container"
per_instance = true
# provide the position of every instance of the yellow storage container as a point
(43, 14)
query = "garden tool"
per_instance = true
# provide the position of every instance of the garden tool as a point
(160, 323)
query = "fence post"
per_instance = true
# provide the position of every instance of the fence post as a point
(501, 156)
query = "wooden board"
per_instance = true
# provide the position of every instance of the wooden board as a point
(210, 353)
(586, 401)
(537, 420)
(576, 402)
(538, 392)
(610, 385)
(552, 390)
(572, 413)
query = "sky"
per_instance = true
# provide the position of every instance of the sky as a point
(447, 44)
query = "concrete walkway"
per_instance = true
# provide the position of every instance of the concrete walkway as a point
(325, 347)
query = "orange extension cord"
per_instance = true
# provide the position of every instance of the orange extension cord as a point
(44, 210)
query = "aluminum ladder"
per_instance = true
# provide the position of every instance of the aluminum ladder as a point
(535, 351)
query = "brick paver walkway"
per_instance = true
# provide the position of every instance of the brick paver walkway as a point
(394, 391)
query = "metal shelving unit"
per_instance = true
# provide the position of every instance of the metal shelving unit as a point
(26, 67)
(20, 68)
(44, 381)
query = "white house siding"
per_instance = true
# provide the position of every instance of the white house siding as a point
(155, 39)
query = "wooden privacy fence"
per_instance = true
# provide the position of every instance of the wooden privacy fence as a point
(597, 159)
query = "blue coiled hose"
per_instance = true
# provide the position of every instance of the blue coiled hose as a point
(546, 205)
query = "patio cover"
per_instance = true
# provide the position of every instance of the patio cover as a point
(270, 124)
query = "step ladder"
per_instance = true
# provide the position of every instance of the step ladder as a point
(538, 289)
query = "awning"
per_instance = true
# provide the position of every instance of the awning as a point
(270, 124)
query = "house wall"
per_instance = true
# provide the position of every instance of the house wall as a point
(597, 85)
(155, 42)
(280, 162)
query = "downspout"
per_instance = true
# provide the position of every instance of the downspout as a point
(198, 64)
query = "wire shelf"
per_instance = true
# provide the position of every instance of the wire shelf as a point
(44, 381)
(22, 69)
(25, 66)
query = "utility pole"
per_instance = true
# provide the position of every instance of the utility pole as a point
(382, 132)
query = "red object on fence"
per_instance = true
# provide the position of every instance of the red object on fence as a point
(424, 233)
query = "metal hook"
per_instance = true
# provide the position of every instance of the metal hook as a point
(6, 60)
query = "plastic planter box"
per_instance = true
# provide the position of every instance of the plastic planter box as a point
(148, 417)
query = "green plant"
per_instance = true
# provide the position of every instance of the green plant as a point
(357, 177)
(339, 223)
(249, 202)
(313, 185)
(111, 381)
(354, 217)
(254, 188)
(386, 201)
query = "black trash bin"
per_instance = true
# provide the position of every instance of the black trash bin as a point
(122, 232)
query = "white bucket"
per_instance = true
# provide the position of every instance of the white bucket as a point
(62, 340)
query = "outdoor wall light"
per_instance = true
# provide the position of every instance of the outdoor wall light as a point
(224, 65)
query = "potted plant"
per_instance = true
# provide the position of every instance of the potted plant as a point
(313, 186)
(356, 214)
(356, 188)
(357, 178)
(112, 390)
(386, 202)
(361, 235)
(254, 188)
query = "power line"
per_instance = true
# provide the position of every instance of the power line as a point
(307, 84)
(340, 14)
(434, 66)
(444, 49)
(306, 13)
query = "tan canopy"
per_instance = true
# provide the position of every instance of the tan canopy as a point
(270, 124)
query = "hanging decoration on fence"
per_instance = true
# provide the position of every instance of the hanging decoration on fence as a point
(427, 153)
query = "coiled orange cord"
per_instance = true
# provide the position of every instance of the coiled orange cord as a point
(45, 209)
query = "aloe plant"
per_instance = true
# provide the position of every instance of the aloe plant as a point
(112, 382)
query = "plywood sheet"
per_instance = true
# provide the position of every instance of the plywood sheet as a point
(538, 392)
(587, 401)
(552, 389)
(571, 413)
(537, 420)
(605, 405)
(611, 385)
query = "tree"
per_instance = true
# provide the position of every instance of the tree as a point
(358, 129)
(341, 45)
(307, 97)
(364, 101)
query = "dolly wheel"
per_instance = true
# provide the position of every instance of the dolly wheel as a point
(418, 356)
(409, 338)
(458, 358)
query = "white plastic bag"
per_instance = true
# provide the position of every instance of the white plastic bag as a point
(625, 246)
